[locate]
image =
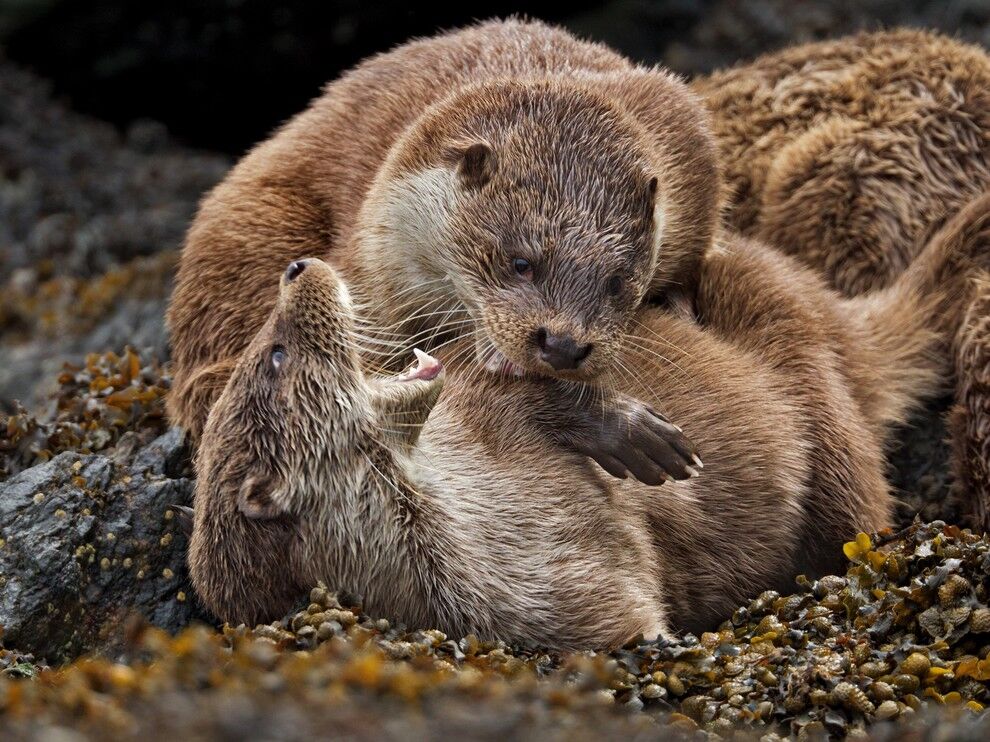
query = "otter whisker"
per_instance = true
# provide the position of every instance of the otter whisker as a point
(408, 340)
(463, 337)
(417, 290)
(635, 346)
(398, 350)
(675, 376)
(659, 337)
(413, 339)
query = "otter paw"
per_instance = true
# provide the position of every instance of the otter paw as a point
(633, 438)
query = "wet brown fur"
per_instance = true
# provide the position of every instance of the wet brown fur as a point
(848, 154)
(374, 177)
(461, 514)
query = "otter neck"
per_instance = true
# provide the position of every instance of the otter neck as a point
(374, 537)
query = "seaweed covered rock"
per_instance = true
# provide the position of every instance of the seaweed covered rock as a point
(79, 196)
(109, 399)
(89, 539)
(87, 534)
(85, 541)
(897, 647)
(47, 320)
(90, 223)
(905, 632)
(202, 685)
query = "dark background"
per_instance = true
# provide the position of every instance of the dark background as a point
(220, 74)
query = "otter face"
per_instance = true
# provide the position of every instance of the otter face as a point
(540, 207)
(286, 441)
(566, 260)
(295, 395)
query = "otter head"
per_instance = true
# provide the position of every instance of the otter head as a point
(542, 208)
(289, 441)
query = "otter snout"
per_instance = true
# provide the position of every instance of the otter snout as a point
(562, 352)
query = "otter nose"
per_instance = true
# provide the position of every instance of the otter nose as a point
(561, 351)
(296, 267)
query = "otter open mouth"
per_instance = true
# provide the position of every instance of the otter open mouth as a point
(427, 368)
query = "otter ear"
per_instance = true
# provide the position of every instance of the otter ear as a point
(475, 165)
(258, 498)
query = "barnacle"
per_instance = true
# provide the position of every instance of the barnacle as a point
(916, 664)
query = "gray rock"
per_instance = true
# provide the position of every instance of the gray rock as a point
(84, 212)
(88, 541)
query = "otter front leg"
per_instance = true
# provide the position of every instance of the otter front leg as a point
(620, 433)
(625, 436)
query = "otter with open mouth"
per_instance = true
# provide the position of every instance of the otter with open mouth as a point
(456, 511)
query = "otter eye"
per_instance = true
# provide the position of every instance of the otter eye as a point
(278, 357)
(522, 267)
(614, 285)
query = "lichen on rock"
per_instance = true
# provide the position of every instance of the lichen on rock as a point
(87, 540)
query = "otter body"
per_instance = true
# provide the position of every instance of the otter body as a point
(848, 154)
(453, 510)
(507, 183)
(844, 153)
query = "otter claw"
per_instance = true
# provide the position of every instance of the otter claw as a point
(634, 439)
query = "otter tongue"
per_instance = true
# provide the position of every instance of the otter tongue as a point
(427, 367)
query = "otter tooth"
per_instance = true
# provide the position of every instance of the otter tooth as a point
(495, 363)
(425, 360)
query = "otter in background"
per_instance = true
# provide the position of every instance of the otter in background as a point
(453, 510)
(849, 154)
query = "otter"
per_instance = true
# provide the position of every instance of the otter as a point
(848, 154)
(845, 152)
(432, 494)
(506, 182)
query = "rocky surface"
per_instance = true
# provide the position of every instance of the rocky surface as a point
(895, 647)
(87, 532)
(90, 220)
(77, 196)
(87, 541)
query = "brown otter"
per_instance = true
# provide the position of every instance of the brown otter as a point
(848, 154)
(506, 183)
(845, 152)
(453, 510)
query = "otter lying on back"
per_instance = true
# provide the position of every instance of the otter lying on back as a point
(454, 510)
(506, 183)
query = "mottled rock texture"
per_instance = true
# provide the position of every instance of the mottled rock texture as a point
(90, 222)
(88, 540)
